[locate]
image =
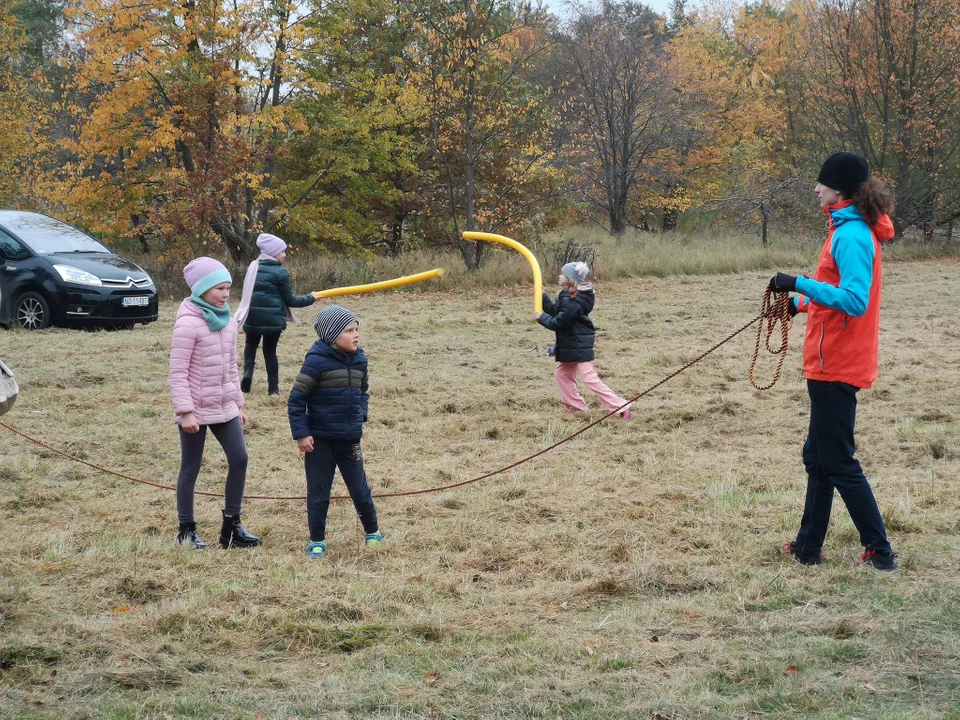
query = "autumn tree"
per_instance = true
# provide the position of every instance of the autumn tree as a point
(745, 163)
(882, 78)
(23, 118)
(622, 99)
(492, 130)
(184, 116)
(370, 120)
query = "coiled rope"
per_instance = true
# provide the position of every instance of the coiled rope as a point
(771, 314)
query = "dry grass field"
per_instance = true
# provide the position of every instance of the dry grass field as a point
(632, 573)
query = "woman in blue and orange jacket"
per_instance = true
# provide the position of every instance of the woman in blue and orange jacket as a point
(842, 303)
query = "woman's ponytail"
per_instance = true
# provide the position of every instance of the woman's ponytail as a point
(873, 198)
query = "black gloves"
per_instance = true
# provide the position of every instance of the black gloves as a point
(792, 309)
(781, 282)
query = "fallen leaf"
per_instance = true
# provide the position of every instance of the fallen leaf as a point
(654, 639)
(431, 678)
(589, 647)
(792, 670)
(121, 608)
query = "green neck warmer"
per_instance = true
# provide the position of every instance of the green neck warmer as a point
(217, 318)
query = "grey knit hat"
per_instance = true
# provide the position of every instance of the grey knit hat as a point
(576, 271)
(331, 321)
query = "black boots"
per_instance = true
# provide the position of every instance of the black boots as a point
(232, 534)
(273, 383)
(188, 536)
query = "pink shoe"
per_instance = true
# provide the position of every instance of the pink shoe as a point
(625, 414)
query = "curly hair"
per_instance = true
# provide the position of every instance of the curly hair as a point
(873, 199)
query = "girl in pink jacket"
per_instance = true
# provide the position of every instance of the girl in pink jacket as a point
(205, 390)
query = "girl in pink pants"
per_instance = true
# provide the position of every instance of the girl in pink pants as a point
(569, 318)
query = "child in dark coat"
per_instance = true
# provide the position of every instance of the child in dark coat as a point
(569, 318)
(327, 409)
(265, 309)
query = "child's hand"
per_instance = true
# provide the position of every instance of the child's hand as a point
(244, 420)
(536, 315)
(189, 423)
(305, 444)
(316, 296)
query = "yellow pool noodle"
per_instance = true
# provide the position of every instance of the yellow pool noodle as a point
(383, 285)
(534, 265)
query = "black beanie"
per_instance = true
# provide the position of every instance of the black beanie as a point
(844, 172)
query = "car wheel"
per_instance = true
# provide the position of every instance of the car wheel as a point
(31, 312)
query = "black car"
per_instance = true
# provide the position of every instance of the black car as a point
(52, 273)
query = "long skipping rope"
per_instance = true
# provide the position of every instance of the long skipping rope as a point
(772, 314)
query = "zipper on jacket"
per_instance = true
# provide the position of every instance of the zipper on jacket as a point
(823, 331)
(224, 373)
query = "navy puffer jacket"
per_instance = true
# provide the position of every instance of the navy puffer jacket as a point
(272, 295)
(570, 319)
(329, 397)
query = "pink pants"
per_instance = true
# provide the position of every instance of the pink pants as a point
(566, 377)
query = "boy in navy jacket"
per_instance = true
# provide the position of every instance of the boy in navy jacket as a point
(327, 409)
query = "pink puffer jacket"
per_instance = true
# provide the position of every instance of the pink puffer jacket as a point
(203, 375)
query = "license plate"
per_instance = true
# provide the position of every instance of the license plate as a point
(137, 300)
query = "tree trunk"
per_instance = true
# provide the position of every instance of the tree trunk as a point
(235, 241)
(472, 252)
(763, 226)
(141, 237)
(618, 215)
(670, 218)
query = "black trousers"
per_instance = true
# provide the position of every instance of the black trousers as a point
(327, 456)
(270, 342)
(230, 437)
(828, 455)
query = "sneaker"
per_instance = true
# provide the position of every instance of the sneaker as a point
(373, 539)
(887, 562)
(789, 549)
(316, 550)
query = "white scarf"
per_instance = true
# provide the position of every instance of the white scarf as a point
(249, 281)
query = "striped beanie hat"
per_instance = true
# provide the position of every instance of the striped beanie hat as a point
(331, 321)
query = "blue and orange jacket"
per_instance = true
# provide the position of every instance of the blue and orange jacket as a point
(842, 300)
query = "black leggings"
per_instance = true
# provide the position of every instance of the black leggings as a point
(270, 342)
(230, 437)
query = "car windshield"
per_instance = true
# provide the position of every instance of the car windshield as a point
(46, 235)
